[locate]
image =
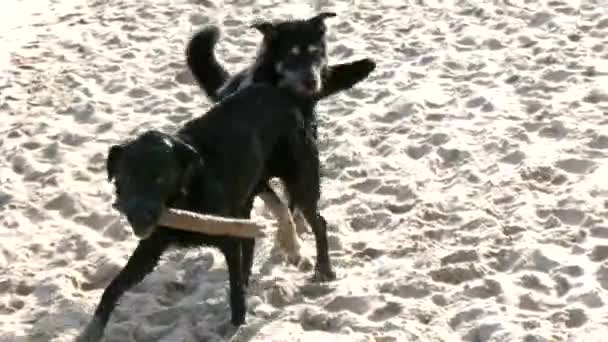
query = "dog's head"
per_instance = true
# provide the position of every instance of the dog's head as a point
(296, 50)
(149, 172)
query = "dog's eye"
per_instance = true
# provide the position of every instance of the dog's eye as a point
(295, 51)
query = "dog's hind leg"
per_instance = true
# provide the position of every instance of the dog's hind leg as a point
(301, 224)
(340, 77)
(234, 261)
(143, 260)
(203, 63)
(286, 235)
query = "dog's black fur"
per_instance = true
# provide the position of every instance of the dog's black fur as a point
(307, 71)
(279, 40)
(213, 165)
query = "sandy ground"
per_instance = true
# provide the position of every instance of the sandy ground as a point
(464, 181)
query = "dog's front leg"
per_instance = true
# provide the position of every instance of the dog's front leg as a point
(248, 249)
(142, 261)
(304, 193)
(344, 76)
(238, 305)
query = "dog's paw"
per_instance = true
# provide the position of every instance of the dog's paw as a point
(366, 65)
(294, 259)
(324, 274)
(92, 333)
(305, 264)
(235, 322)
(226, 329)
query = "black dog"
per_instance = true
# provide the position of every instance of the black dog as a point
(213, 165)
(292, 53)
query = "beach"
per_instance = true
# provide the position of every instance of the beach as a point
(465, 182)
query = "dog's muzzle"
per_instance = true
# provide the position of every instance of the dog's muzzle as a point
(143, 216)
(311, 84)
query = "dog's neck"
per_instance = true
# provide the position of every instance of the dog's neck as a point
(204, 188)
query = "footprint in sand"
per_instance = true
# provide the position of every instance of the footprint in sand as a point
(514, 158)
(116, 231)
(599, 232)
(535, 261)
(599, 253)
(556, 130)
(99, 273)
(602, 276)
(419, 151)
(467, 315)
(409, 288)
(115, 85)
(483, 289)
(533, 281)
(592, 299)
(568, 216)
(573, 271)
(24, 288)
(22, 163)
(281, 293)
(84, 113)
(457, 274)
(316, 319)
(557, 75)
(356, 304)
(453, 156)
(94, 220)
(543, 174)
(459, 256)
(438, 139)
(66, 204)
(476, 102)
(596, 96)
(315, 290)
(576, 166)
(138, 93)
(386, 312)
(599, 142)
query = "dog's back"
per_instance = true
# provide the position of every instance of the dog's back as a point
(276, 113)
(240, 134)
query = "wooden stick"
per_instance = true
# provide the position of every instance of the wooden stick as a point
(209, 224)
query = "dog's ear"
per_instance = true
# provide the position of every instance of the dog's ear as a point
(340, 77)
(191, 160)
(114, 153)
(319, 19)
(322, 16)
(265, 27)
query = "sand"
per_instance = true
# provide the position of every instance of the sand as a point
(464, 181)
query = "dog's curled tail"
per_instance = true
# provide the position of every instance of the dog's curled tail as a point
(202, 62)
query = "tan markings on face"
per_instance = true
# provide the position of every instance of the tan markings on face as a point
(313, 48)
(295, 50)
